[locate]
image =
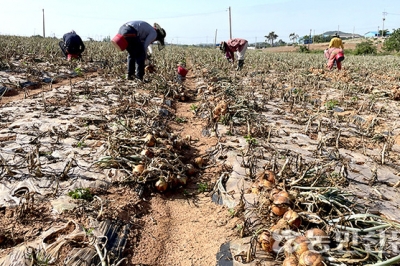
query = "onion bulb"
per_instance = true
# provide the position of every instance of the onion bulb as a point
(278, 192)
(190, 170)
(182, 180)
(266, 241)
(292, 218)
(199, 161)
(318, 238)
(290, 261)
(280, 205)
(296, 246)
(161, 184)
(147, 153)
(310, 258)
(267, 179)
(138, 168)
(150, 140)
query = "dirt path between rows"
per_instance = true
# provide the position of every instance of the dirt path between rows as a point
(186, 228)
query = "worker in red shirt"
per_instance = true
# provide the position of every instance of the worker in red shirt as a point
(135, 37)
(235, 45)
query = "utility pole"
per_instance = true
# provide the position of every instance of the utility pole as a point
(383, 24)
(230, 24)
(44, 35)
(256, 43)
(215, 39)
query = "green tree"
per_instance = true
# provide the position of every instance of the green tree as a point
(383, 33)
(364, 48)
(281, 43)
(392, 43)
(321, 38)
(271, 37)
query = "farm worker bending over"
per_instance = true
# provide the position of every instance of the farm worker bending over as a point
(235, 45)
(72, 45)
(135, 37)
(335, 52)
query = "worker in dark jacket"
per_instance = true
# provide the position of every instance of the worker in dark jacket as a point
(72, 45)
(135, 37)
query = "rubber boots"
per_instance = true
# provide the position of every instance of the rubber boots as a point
(240, 65)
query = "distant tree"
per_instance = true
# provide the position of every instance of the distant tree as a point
(321, 38)
(90, 39)
(271, 37)
(281, 43)
(365, 48)
(392, 43)
(293, 37)
(383, 33)
(107, 39)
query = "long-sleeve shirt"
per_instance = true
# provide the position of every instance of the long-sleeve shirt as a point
(146, 33)
(73, 43)
(234, 45)
(336, 43)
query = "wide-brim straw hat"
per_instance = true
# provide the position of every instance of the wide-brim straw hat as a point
(160, 35)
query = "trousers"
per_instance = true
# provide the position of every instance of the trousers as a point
(136, 52)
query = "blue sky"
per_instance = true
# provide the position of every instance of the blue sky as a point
(198, 21)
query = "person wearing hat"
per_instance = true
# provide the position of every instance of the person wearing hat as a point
(72, 45)
(235, 45)
(135, 37)
(334, 53)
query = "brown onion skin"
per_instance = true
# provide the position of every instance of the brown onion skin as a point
(279, 210)
(292, 218)
(290, 261)
(318, 238)
(266, 241)
(311, 258)
(161, 185)
(297, 246)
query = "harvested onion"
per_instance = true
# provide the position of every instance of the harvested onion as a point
(296, 246)
(266, 241)
(318, 238)
(292, 218)
(182, 180)
(147, 153)
(150, 140)
(266, 179)
(290, 261)
(199, 161)
(310, 258)
(138, 168)
(190, 170)
(280, 204)
(161, 185)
